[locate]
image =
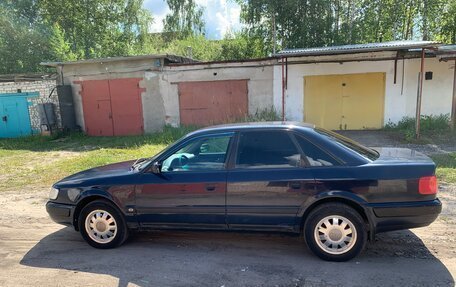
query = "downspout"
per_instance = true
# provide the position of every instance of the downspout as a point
(453, 104)
(283, 89)
(419, 97)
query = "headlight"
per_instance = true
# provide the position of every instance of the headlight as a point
(54, 193)
(73, 193)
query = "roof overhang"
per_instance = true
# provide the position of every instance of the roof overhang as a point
(167, 57)
(359, 48)
(447, 53)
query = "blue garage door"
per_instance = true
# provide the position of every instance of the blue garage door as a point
(14, 115)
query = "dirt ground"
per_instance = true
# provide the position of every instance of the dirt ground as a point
(34, 251)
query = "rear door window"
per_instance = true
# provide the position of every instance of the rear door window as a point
(314, 155)
(267, 149)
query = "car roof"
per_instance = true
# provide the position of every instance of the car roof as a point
(253, 125)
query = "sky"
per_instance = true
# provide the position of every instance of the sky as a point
(221, 16)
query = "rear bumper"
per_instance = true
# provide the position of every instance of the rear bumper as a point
(60, 213)
(404, 215)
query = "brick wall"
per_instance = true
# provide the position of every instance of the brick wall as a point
(43, 88)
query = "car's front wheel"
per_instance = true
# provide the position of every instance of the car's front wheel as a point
(101, 225)
(335, 232)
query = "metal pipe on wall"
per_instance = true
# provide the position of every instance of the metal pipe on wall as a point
(283, 90)
(419, 97)
(453, 104)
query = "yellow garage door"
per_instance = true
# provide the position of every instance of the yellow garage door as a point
(349, 101)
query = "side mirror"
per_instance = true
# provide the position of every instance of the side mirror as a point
(156, 167)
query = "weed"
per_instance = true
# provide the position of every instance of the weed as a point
(430, 125)
(265, 115)
(446, 166)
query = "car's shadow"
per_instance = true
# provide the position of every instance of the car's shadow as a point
(175, 258)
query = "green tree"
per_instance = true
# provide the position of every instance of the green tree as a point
(311, 23)
(98, 28)
(448, 25)
(60, 47)
(186, 18)
(22, 45)
(240, 46)
(196, 47)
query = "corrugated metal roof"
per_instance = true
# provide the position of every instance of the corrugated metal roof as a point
(358, 48)
(170, 58)
(446, 52)
(447, 49)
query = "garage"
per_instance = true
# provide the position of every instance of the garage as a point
(212, 102)
(112, 107)
(345, 102)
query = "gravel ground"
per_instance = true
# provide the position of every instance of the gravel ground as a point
(36, 252)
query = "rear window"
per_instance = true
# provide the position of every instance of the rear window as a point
(350, 144)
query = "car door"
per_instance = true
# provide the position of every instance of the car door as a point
(190, 189)
(267, 183)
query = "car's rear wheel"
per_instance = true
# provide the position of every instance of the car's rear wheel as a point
(335, 232)
(102, 225)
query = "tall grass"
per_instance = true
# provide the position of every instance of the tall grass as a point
(429, 125)
(264, 115)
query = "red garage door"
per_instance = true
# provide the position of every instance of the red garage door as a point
(112, 107)
(212, 102)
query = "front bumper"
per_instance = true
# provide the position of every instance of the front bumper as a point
(404, 215)
(60, 213)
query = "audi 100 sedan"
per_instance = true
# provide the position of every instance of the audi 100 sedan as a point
(286, 177)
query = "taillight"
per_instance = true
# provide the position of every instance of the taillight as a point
(428, 185)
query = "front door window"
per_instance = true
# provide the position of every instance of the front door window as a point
(205, 153)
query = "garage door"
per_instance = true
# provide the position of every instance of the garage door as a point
(349, 101)
(112, 107)
(14, 115)
(212, 102)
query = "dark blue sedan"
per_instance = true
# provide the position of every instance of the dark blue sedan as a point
(287, 177)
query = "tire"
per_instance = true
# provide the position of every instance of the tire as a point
(102, 225)
(335, 232)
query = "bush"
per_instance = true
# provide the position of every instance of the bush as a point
(428, 123)
(431, 124)
(265, 115)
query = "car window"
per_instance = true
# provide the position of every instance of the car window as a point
(206, 153)
(315, 155)
(350, 144)
(266, 149)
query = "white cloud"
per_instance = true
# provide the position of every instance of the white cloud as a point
(159, 9)
(220, 16)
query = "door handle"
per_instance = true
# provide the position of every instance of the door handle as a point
(210, 188)
(5, 118)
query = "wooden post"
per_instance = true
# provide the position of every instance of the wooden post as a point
(453, 104)
(419, 97)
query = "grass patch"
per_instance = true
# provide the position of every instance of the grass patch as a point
(446, 167)
(81, 142)
(434, 129)
(40, 161)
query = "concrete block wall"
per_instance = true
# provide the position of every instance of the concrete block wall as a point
(44, 88)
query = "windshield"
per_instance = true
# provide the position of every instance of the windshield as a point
(348, 143)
